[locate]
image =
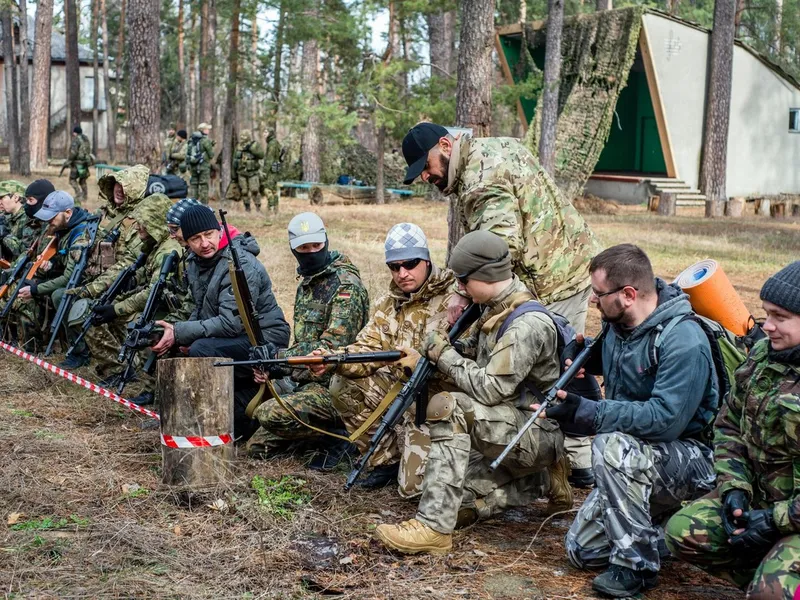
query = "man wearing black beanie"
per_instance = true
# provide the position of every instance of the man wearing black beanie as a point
(746, 531)
(214, 327)
(79, 160)
(35, 194)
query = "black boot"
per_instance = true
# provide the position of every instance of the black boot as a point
(581, 478)
(143, 399)
(75, 361)
(327, 458)
(622, 582)
(380, 477)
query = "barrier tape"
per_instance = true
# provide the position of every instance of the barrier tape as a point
(79, 380)
(195, 441)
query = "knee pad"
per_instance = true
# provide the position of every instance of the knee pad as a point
(440, 407)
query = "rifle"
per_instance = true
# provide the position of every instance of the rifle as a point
(141, 332)
(61, 172)
(74, 280)
(49, 252)
(108, 296)
(329, 359)
(414, 390)
(550, 397)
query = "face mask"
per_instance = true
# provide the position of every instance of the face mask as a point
(32, 209)
(312, 262)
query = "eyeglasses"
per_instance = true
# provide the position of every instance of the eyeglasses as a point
(406, 264)
(173, 229)
(464, 277)
(599, 295)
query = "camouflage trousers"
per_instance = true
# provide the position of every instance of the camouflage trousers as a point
(198, 185)
(32, 318)
(104, 342)
(695, 534)
(249, 190)
(637, 482)
(78, 185)
(355, 400)
(464, 443)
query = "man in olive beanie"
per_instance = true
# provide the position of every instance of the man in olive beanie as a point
(483, 416)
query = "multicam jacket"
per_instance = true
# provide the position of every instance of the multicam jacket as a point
(247, 158)
(757, 437)
(24, 232)
(403, 320)
(71, 242)
(502, 188)
(330, 308)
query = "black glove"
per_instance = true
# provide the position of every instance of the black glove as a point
(733, 500)
(761, 532)
(574, 348)
(103, 313)
(267, 352)
(565, 411)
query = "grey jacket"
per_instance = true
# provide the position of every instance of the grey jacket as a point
(215, 311)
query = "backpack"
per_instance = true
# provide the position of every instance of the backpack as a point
(194, 153)
(586, 386)
(171, 186)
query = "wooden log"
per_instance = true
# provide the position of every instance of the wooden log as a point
(196, 399)
(763, 207)
(667, 204)
(796, 210)
(734, 207)
(778, 211)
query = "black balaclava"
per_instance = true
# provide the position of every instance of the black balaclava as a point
(311, 263)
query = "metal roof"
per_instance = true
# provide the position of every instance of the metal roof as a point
(58, 45)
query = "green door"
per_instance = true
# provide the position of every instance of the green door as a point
(652, 157)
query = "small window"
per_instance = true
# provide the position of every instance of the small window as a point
(794, 120)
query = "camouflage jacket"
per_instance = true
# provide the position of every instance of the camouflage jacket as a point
(71, 242)
(526, 352)
(403, 320)
(757, 437)
(23, 232)
(153, 215)
(271, 166)
(80, 151)
(176, 157)
(502, 188)
(330, 308)
(134, 181)
(247, 159)
(206, 153)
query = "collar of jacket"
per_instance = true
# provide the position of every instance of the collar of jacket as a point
(498, 308)
(458, 160)
(438, 282)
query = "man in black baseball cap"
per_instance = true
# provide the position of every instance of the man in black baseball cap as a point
(426, 149)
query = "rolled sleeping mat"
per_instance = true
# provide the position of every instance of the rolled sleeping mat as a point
(712, 296)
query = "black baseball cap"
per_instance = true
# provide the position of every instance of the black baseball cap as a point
(418, 141)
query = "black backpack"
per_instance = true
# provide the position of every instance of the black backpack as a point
(171, 186)
(194, 153)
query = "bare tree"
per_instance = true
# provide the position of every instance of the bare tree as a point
(144, 105)
(12, 91)
(111, 113)
(713, 168)
(181, 67)
(40, 96)
(276, 81)
(73, 71)
(95, 75)
(311, 144)
(230, 102)
(552, 80)
(207, 61)
(24, 93)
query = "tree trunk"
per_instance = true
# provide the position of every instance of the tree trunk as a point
(380, 197)
(40, 95)
(276, 81)
(212, 68)
(778, 41)
(441, 30)
(73, 73)
(255, 124)
(604, 5)
(24, 93)
(12, 92)
(95, 75)
(206, 63)
(311, 142)
(181, 68)
(474, 92)
(741, 6)
(121, 68)
(713, 168)
(552, 80)
(111, 114)
(230, 102)
(144, 106)
(192, 113)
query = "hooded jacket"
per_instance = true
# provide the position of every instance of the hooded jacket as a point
(680, 399)
(215, 312)
(23, 233)
(71, 242)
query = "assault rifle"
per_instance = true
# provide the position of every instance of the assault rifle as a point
(329, 359)
(49, 252)
(108, 297)
(74, 280)
(142, 332)
(550, 397)
(414, 390)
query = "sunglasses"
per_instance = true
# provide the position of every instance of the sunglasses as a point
(464, 277)
(406, 264)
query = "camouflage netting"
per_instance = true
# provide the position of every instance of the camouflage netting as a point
(361, 164)
(598, 50)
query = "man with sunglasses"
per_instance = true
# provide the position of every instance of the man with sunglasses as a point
(515, 349)
(649, 454)
(415, 305)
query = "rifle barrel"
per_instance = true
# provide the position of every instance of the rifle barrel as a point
(357, 357)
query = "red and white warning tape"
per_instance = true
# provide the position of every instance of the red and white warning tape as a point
(79, 380)
(195, 441)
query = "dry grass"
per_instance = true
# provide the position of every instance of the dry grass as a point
(68, 454)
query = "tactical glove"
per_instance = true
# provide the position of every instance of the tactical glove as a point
(269, 351)
(103, 313)
(734, 499)
(566, 412)
(761, 533)
(435, 345)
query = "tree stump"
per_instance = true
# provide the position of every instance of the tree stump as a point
(667, 204)
(196, 399)
(778, 211)
(763, 207)
(734, 207)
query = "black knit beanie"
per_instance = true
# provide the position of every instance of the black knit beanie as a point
(197, 219)
(39, 189)
(783, 288)
(77, 129)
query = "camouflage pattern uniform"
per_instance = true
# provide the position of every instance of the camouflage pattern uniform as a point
(330, 308)
(79, 161)
(200, 169)
(22, 231)
(399, 320)
(104, 341)
(176, 158)
(757, 450)
(271, 172)
(246, 167)
(485, 418)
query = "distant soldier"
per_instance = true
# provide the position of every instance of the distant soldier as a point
(199, 154)
(176, 155)
(246, 167)
(168, 142)
(79, 161)
(271, 171)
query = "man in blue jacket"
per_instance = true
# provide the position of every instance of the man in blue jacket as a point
(649, 453)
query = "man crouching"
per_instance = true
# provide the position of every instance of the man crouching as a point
(483, 417)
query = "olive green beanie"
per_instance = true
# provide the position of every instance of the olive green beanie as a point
(483, 256)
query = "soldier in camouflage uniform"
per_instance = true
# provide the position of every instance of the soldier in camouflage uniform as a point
(650, 451)
(331, 306)
(176, 155)
(79, 160)
(246, 166)
(168, 142)
(271, 171)
(748, 530)
(106, 337)
(468, 428)
(22, 231)
(500, 187)
(416, 305)
(199, 156)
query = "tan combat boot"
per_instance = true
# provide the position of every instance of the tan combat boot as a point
(411, 537)
(561, 497)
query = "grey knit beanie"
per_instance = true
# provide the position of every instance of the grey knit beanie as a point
(406, 241)
(481, 255)
(783, 288)
(176, 211)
